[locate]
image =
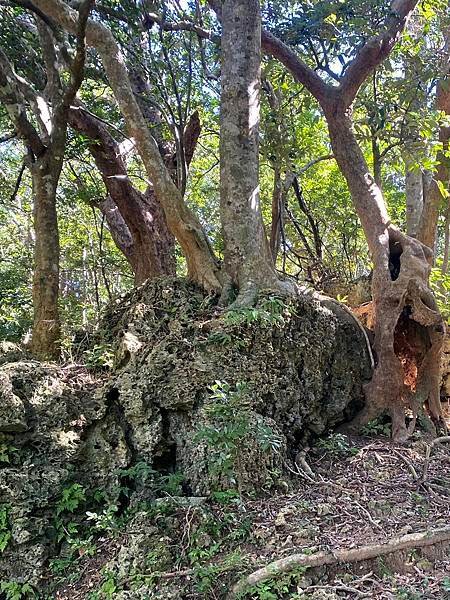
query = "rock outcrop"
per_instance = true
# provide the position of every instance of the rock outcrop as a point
(223, 401)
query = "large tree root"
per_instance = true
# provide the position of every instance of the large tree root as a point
(284, 565)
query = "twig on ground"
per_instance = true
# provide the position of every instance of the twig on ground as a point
(407, 463)
(284, 565)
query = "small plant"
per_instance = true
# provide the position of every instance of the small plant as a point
(219, 337)
(108, 588)
(14, 590)
(229, 430)
(277, 587)
(6, 452)
(5, 532)
(105, 520)
(99, 357)
(376, 427)
(337, 444)
(71, 499)
(270, 311)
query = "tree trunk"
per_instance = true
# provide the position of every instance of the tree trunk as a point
(376, 157)
(435, 197)
(202, 265)
(277, 214)
(248, 261)
(46, 325)
(409, 329)
(150, 251)
(414, 195)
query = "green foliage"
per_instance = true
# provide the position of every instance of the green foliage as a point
(440, 285)
(269, 312)
(377, 427)
(14, 590)
(71, 498)
(7, 452)
(5, 529)
(337, 444)
(143, 474)
(99, 356)
(231, 425)
(276, 587)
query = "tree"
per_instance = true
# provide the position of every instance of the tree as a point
(136, 220)
(45, 154)
(406, 313)
(202, 265)
(248, 260)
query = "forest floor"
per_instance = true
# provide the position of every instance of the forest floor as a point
(358, 491)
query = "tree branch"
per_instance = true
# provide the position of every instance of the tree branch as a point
(11, 97)
(374, 51)
(284, 565)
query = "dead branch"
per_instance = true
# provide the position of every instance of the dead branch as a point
(284, 565)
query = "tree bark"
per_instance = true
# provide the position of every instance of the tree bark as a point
(277, 214)
(414, 195)
(151, 251)
(182, 222)
(46, 323)
(248, 260)
(376, 157)
(435, 198)
(409, 330)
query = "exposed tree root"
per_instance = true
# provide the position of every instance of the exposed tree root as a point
(284, 565)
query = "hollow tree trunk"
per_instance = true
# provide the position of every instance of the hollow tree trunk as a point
(46, 323)
(409, 329)
(248, 260)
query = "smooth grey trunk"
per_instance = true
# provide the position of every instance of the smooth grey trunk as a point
(248, 260)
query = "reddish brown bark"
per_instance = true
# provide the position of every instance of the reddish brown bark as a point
(202, 264)
(405, 310)
(150, 251)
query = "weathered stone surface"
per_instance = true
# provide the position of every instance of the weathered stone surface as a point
(226, 401)
(303, 367)
(59, 434)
